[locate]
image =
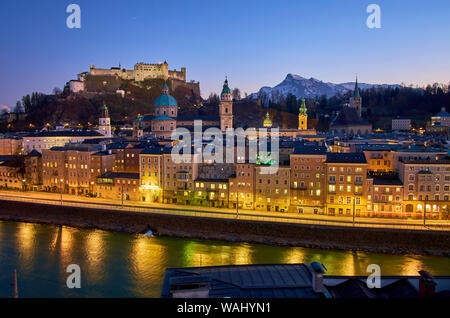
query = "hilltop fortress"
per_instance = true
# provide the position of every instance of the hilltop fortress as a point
(141, 72)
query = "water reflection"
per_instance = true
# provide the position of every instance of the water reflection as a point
(25, 241)
(122, 265)
(94, 250)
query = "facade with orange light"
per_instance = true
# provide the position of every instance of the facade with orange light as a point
(307, 165)
(346, 179)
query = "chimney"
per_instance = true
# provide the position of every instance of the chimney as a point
(317, 276)
(427, 285)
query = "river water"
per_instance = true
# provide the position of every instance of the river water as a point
(125, 265)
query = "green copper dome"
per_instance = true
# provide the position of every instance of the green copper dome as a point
(226, 89)
(165, 100)
(303, 110)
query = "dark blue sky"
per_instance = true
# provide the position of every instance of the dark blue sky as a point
(255, 43)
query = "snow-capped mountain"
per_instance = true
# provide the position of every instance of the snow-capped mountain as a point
(308, 88)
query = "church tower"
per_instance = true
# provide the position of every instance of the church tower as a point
(303, 116)
(267, 122)
(356, 101)
(226, 108)
(104, 122)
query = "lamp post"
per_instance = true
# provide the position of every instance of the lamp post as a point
(237, 204)
(354, 203)
(122, 194)
(425, 212)
(61, 189)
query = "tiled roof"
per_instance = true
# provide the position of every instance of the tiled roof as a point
(67, 133)
(163, 117)
(248, 281)
(304, 149)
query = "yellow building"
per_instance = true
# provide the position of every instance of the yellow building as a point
(303, 116)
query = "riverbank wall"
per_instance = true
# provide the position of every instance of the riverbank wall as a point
(376, 240)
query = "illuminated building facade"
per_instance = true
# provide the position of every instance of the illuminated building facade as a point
(346, 179)
(308, 171)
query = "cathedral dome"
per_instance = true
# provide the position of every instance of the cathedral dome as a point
(165, 100)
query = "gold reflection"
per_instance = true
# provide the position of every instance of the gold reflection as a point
(26, 239)
(242, 255)
(66, 244)
(149, 259)
(94, 250)
(411, 266)
(294, 256)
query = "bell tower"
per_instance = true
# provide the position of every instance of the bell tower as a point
(303, 116)
(356, 101)
(226, 108)
(104, 122)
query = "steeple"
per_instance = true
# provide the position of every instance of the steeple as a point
(303, 116)
(267, 122)
(225, 89)
(355, 100)
(165, 90)
(226, 108)
(303, 110)
(104, 122)
(356, 91)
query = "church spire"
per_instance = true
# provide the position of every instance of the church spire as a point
(303, 110)
(356, 91)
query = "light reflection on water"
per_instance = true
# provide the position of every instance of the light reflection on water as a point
(124, 265)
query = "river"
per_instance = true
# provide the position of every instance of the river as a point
(125, 265)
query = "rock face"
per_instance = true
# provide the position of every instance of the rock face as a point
(308, 88)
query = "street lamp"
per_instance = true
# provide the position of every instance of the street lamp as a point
(354, 203)
(61, 189)
(425, 212)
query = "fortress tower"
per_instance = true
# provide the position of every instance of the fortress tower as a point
(303, 116)
(356, 101)
(104, 122)
(226, 108)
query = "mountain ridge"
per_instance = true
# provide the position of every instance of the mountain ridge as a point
(302, 87)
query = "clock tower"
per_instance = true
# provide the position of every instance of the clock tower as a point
(226, 108)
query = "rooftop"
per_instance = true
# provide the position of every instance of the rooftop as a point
(348, 157)
(119, 175)
(309, 149)
(248, 281)
(67, 133)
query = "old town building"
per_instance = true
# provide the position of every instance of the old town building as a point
(346, 177)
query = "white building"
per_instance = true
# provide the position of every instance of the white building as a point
(441, 119)
(401, 123)
(49, 139)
